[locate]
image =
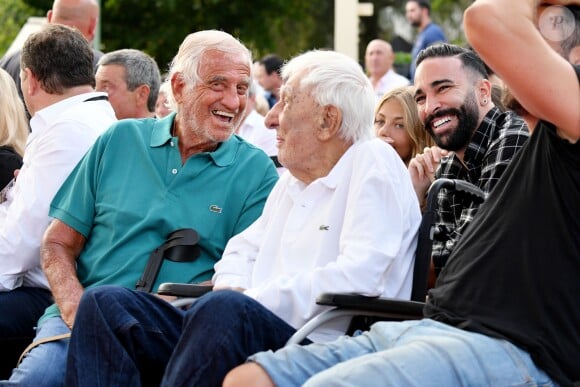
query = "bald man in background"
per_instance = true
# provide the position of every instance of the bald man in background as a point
(80, 14)
(379, 59)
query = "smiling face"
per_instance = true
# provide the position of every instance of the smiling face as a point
(214, 107)
(296, 118)
(446, 101)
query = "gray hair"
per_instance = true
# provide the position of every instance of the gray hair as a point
(191, 51)
(336, 79)
(140, 69)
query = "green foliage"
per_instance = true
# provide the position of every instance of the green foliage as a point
(159, 26)
(402, 58)
(39, 4)
(13, 15)
(281, 26)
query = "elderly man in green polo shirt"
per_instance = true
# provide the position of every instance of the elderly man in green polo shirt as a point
(144, 179)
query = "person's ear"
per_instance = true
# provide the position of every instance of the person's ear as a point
(178, 86)
(331, 121)
(32, 84)
(91, 29)
(143, 92)
(483, 92)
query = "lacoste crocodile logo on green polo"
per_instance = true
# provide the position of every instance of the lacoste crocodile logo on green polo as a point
(215, 208)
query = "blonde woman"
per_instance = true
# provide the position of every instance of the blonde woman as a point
(397, 123)
(13, 129)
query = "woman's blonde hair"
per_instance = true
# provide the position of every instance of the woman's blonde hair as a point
(415, 128)
(13, 120)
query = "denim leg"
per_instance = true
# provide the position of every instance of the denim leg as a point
(20, 310)
(44, 365)
(220, 331)
(295, 364)
(428, 353)
(121, 337)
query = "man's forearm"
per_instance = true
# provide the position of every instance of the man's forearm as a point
(64, 283)
(59, 251)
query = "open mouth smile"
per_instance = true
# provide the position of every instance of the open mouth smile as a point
(223, 116)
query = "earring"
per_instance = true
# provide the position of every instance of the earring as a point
(484, 101)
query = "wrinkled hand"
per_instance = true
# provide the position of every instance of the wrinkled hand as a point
(422, 169)
(68, 311)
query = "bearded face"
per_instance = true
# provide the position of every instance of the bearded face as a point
(458, 136)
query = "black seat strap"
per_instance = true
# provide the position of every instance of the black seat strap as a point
(180, 246)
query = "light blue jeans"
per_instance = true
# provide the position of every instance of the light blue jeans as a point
(412, 353)
(45, 364)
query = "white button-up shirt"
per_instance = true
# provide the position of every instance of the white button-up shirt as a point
(61, 135)
(353, 231)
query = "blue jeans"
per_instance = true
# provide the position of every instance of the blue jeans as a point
(20, 310)
(410, 353)
(44, 365)
(123, 337)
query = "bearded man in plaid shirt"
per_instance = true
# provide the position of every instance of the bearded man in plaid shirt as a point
(475, 140)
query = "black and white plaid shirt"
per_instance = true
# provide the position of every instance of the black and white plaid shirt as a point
(492, 147)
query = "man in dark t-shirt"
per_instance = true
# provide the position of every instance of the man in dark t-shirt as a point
(505, 307)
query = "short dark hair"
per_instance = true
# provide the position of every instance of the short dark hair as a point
(140, 69)
(488, 69)
(272, 63)
(423, 4)
(468, 58)
(59, 57)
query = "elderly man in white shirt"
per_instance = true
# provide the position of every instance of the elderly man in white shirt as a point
(67, 117)
(343, 218)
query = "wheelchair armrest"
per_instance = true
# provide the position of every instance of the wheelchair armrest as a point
(412, 309)
(352, 305)
(183, 290)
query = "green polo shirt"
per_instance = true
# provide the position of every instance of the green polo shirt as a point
(131, 190)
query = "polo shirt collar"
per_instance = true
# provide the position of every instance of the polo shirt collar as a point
(162, 131)
(224, 155)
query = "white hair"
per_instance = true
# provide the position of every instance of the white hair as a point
(336, 79)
